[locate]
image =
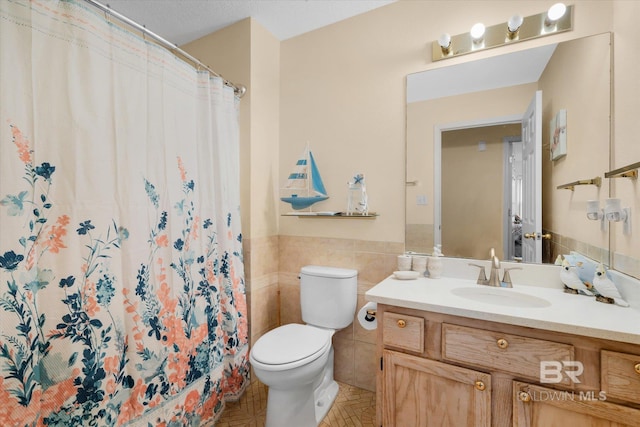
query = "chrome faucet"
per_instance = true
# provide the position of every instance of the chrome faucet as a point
(482, 276)
(494, 276)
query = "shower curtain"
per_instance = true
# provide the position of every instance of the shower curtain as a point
(122, 297)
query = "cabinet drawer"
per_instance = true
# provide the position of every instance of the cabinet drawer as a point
(620, 375)
(517, 355)
(402, 331)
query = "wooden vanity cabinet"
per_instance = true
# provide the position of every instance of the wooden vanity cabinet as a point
(541, 406)
(424, 392)
(442, 370)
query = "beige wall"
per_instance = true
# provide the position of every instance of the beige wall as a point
(342, 88)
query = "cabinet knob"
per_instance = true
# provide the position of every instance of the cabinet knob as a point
(502, 343)
(401, 323)
(480, 385)
(524, 396)
(637, 368)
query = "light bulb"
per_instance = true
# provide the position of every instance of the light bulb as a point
(444, 40)
(556, 11)
(514, 23)
(477, 31)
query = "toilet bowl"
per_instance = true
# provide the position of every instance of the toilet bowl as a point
(296, 360)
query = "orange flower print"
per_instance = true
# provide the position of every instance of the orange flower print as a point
(111, 386)
(183, 174)
(192, 400)
(162, 240)
(194, 228)
(21, 142)
(90, 302)
(111, 364)
(132, 408)
(54, 238)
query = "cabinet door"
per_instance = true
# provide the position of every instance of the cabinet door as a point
(543, 407)
(421, 392)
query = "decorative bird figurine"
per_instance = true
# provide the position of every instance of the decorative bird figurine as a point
(606, 290)
(571, 280)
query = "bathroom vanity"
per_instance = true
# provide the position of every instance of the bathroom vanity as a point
(454, 353)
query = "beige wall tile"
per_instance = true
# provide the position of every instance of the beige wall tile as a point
(290, 304)
(265, 302)
(366, 364)
(343, 360)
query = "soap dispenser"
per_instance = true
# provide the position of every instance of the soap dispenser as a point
(434, 265)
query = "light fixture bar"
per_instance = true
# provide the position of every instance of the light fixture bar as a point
(532, 27)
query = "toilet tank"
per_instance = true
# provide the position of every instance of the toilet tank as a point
(328, 296)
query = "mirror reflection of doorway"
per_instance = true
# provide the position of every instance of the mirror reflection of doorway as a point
(482, 191)
(513, 197)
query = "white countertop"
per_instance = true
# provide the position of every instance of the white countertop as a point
(568, 313)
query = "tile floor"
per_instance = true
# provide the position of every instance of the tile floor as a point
(353, 407)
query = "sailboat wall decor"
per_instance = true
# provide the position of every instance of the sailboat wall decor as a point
(304, 185)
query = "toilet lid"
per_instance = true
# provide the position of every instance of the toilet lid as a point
(290, 343)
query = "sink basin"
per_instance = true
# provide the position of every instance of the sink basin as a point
(499, 296)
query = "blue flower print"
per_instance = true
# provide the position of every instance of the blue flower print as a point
(152, 193)
(67, 282)
(10, 260)
(123, 234)
(45, 170)
(105, 290)
(15, 204)
(36, 279)
(85, 227)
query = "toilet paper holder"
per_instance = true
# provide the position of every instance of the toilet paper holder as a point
(371, 315)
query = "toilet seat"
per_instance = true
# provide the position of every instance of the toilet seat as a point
(290, 346)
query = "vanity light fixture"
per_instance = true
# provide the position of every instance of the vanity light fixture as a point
(613, 211)
(556, 20)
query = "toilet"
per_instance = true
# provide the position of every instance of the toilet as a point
(296, 361)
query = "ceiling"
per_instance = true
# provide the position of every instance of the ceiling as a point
(182, 21)
(517, 68)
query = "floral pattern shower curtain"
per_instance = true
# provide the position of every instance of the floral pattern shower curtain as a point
(121, 274)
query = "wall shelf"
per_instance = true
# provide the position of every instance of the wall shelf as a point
(335, 215)
(597, 181)
(630, 171)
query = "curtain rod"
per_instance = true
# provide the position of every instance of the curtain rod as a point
(239, 90)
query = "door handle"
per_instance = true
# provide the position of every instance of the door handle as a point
(546, 236)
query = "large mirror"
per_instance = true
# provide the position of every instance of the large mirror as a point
(472, 183)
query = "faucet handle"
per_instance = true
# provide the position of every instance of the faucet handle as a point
(507, 277)
(482, 276)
